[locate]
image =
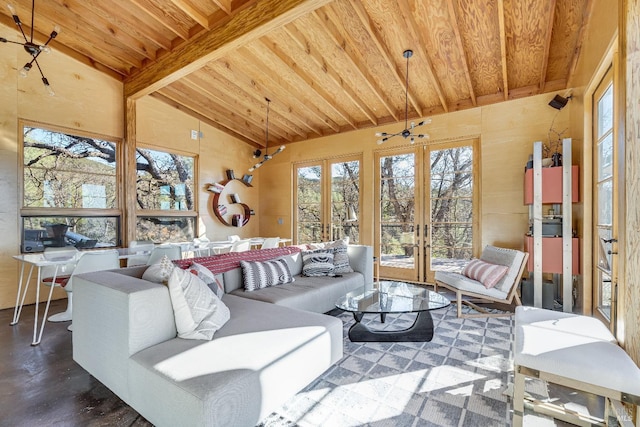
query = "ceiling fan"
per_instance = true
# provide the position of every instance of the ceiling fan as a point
(30, 47)
(258, 152)
(408, 129)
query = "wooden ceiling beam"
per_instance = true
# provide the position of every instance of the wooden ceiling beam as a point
(230, 103)
(107, 28)
(297, 36)
(162, 20)
(257, 90)
(587, 11)
(503, 49)
(455, 27)
(179, 106)
(192, 12)
(329, 24)
(413, 28)
(290, 64)
(128, 23)
(277, 80)
(382, 48)
(179, 92)
(547, 45)
(248, 24)
(247, 101)
(66, 50)
(225, 5)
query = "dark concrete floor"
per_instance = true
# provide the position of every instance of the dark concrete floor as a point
(43, 386)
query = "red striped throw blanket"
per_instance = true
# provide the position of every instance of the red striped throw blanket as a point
(225, 262)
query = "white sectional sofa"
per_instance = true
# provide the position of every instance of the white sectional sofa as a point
(276, 342)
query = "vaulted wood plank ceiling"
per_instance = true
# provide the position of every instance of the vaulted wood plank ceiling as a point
(328, 66)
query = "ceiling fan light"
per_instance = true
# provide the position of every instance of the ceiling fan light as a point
(56, 31)
(45, 49)
(257, 153)
(382, 140)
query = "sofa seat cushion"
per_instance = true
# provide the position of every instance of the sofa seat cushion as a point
(261, 357)
(317, 294)
(463, 283)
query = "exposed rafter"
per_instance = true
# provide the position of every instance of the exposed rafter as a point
(192, 12)
(248, 24)
(455, 27)
(503, 49)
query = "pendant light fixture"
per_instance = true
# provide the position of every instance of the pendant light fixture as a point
(258, 153)
(30, 47)
(408, 129)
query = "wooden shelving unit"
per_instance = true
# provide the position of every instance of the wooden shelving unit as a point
(247, 212)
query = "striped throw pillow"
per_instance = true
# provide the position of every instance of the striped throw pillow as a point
(484, 272)
(262, 274)
(318, 262)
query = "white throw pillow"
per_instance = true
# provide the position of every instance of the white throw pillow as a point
(159, 272)
(213, 281)
(198, 312)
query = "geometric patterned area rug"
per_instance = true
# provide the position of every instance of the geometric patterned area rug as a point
(457, 379)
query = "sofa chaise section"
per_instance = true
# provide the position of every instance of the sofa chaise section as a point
(124, 334)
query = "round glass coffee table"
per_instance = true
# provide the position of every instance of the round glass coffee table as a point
(392, 297)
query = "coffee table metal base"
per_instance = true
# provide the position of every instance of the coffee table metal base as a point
(420, 331)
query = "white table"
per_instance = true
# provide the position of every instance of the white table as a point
(38, 261)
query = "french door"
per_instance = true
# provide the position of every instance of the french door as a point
(605, 188)
(328, 200)
(426, 218)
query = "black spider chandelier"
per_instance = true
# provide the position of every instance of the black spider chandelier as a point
(30, 47)
(408, 129)
(258, 152)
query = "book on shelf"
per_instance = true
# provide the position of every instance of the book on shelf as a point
(237, 220)
(235, 198)
(222, 209)
(216, 188)
(230, 174)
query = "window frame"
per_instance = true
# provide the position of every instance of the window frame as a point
(117, 212)
(171, 213)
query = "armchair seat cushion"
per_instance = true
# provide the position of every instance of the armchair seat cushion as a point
(466, 284)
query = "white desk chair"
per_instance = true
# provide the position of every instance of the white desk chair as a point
(270, 242)
(142, 249)
(241, 245)
(61, 253)
(233, 238)
(201, 246)
(173, 252)
(88, 262)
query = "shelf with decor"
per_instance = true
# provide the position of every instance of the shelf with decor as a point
(551, 243)
(220, 209)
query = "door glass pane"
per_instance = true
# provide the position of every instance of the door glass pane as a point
(309, 199)
(605, 202)
(605, 157)
(397, 211)
(604, 213)
(345, 195)
(605, 112)
(451, 208)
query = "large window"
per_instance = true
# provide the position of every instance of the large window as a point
(70, 189)
(165, 197)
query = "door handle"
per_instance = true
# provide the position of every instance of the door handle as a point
(612, 240)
